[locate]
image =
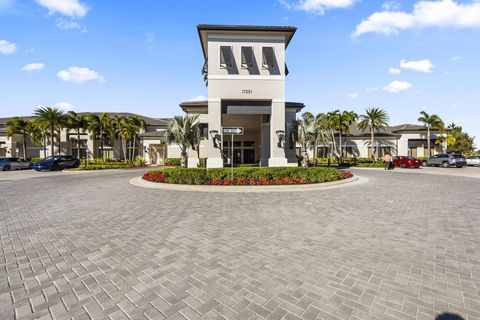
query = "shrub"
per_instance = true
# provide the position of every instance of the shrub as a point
(36, 159)
(172, 162)
(248, 176)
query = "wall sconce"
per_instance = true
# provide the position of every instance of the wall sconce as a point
(281, 138)
(215, 137)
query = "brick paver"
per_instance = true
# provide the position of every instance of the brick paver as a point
(92, 246)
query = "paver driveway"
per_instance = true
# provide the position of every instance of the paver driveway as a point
(403, 246)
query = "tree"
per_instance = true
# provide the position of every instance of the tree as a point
(182, 131)
(53, 118)
(137, 126)
(123, 130)
(374, 120)
(347, 119)
(430, 122)
(19, 126)
(77, 122)
(304, 133)
(463, 143)
(101, 128)
(331, 123)
(321, 135)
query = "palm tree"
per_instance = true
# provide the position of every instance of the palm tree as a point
(304, 133)
(20, 126)
(374, 119)
(53, 119)
(137, 125)
(39, 133)
(332, 124)
(77, 122)
(182, 131)
(347, 119)
(100, 128)
(430, 121)
(123, 131)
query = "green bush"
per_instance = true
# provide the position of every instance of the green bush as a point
(36, 159)
(198, 176)
(172, 162)
(371, 165)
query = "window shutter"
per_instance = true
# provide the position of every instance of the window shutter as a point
(268, 57)
(247, 57)
(225, 57)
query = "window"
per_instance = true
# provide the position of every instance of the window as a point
(322, 152)
(203, 131)
(247, 57)
(226, 57)
(268, 58)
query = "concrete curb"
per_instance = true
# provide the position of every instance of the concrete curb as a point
(356, 180)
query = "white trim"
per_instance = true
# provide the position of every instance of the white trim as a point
(245, 77)
(222, 36)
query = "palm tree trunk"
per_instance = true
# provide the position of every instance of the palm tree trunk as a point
(44, 138)
(52, 142)
(78, 143)
(134, 145)
(184, 161)
(24, 146)
(428, 143)
(59, 142)
(101, 145)
(340, 143)
(372, 141)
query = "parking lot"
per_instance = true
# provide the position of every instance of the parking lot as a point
(91, 246)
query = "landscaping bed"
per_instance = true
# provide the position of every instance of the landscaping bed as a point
(246, 176)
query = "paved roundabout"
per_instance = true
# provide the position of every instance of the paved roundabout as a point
(93, 246)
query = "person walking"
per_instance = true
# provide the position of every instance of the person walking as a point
(388, 161)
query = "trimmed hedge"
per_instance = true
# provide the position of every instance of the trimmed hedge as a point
(201, 176)
(353, 162)
(172, 162)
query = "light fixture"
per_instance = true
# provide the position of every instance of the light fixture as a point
(281, 138)
(215, 137)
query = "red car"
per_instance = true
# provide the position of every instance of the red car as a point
(406, 162)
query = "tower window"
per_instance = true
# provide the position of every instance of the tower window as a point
(268, 58)
(226, 57)
(247, 57)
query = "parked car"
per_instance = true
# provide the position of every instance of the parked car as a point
(473, 161)
(406, 162)
(446, 160)
(54, 163)
(7, 164)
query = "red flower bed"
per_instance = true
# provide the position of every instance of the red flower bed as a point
(161, 178)
(346, 174)
(155, 177)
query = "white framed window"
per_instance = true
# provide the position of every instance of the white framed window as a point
(226, 57)
(247, 58)
(268, 58)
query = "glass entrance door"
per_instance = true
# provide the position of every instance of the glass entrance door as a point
(249, 156)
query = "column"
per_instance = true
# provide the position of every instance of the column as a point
(277, 122)
(214, 157)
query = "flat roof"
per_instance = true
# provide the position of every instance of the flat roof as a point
(204, 103)
(203, 29)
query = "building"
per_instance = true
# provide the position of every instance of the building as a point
(245, 72)
(401, 140)
(13, 146)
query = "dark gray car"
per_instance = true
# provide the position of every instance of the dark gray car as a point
(7, 164)
(446, 160)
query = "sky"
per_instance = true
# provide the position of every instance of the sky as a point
(144, 56)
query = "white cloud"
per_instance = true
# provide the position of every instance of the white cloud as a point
(33, 67)
(372, 89)
(442, 13)
(424, 65)
(456, 57)
(353, 95)
(318, 6)
(397, 86)
(65, 106)
(394, 71)
(68, 25)
(391, 6)
(69, 8)
(198, 98)
(7, 47)
(79, 75)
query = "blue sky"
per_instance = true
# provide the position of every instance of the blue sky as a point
(144, 56)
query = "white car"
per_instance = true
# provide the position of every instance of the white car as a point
(473, 161)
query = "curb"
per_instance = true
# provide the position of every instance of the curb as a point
(356, 180)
